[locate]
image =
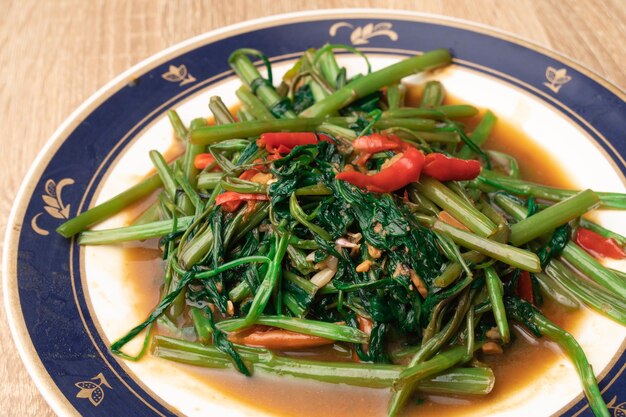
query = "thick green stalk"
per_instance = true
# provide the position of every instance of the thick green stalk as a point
(306, 285)
(311, 327)
(220, 111)
(557, 292)
(448, 200)
(450, 111)
(406, 123)
(480, 135)
(433, 94)
(209, 180)
(439, 363)
(337, 131)
(460, 381)
(268, 285)
(506, 160)
(370, 83)
(510, 206)
(520, 187)
(213, 134)
(582, 261)
(453, 270)
(325, 59)
(510, 255)
(189, 190)
(201, 324)
(110, 207)
(243, 186)
(250, 75)
(593, 269)
(552, 217)
(196, 249)
(135, 232)
(253, 105)
(179, 128)
(395, 96)
(589, 293)
(169, 184)
(297, 258)
(241, 291)
(494, 286)
(410, 124)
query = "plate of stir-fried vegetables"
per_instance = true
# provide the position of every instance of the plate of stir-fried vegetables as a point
(336, 215)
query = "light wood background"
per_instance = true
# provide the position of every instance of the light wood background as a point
(55, 54)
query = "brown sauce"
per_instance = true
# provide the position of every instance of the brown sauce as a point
(287, 396)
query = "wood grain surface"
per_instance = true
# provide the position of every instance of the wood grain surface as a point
(55, 54)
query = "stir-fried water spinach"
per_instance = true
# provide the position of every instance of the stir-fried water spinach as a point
(329, 211)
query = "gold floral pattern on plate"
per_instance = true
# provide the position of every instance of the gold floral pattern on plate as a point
(362, 34)
(53, 203)
(178, 74)
(93, 391)
(556, 78)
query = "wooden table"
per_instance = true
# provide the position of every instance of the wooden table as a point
(55, 54)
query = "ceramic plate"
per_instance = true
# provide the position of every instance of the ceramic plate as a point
(67, 303)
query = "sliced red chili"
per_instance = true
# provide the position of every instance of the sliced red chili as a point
(525, 287)
(598, 245)
(203, 160)
(376, 143)
(401, 173)
(248, 174)
(231, 200)
(284, 142)
(369, 145)
(444, 168)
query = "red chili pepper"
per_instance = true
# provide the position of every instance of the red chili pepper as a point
(248, 174)
(376, 143)
(203, 160)
(444, 168)
(525, 287)
(369, 145)
(404, 171)
(598, 245)
(284, 142)
(230, 200)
